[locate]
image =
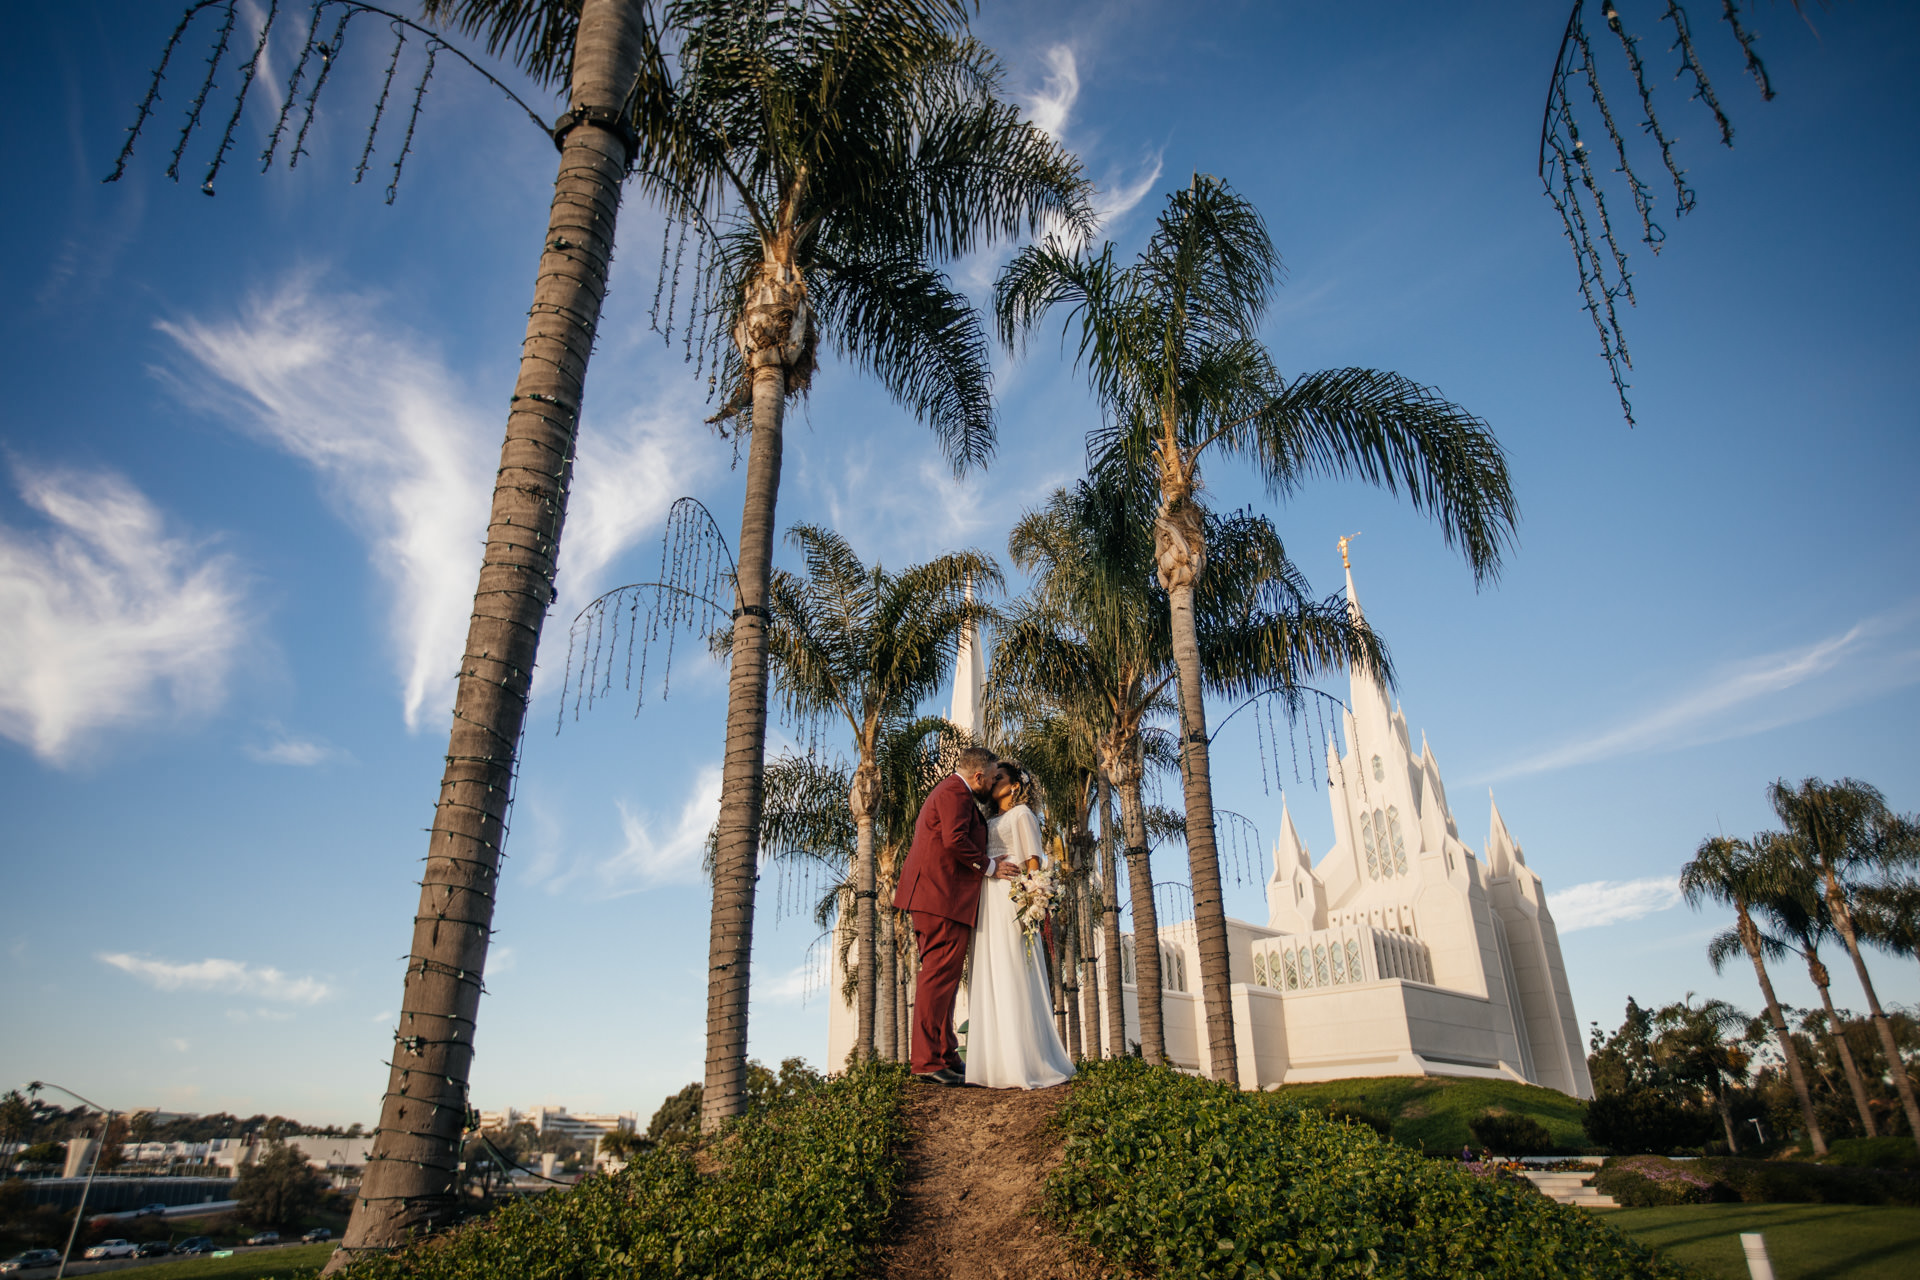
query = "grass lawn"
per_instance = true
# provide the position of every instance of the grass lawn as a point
(283, 1263)
(1804, 1241)
(1433, 1111)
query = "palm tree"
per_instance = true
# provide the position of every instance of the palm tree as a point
(1171, 346)
(1699, 1043)
(1093, 636)
(1844, 830)
(1722, 870)
(1791, 901)
(836, 151)
(600, 49)
(865, 646)
(1888, 914)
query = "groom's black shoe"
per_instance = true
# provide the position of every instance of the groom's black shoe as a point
(945, 1075)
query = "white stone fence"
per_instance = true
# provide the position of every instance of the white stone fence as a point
(1344, 956)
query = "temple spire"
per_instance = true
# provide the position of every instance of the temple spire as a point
(969, 680)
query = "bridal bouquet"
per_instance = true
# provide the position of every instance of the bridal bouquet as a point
(1035, 893)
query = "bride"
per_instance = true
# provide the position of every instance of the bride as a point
(1011, 1040)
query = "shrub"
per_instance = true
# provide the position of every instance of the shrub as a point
(1793, 1182)
(802, 1189)
(1644, 1120)
(1875, 1153)
(1646, 1182)
(1506, 1134)
(1184, 1178)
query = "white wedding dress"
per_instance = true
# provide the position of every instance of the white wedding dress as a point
(1011, 1040)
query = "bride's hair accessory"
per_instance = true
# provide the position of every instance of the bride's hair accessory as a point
(1013, 771)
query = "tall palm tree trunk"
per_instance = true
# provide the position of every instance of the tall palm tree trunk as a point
(1115, 1008)
(1750, 939)
(885, 981)
(864, 795)
(1843, 923)
(1818, 972)
(412, 1171)
(730, 935)
(1180, 547)
(1125, 766)
(1070, 975)
(1089, 980)
(1726, 1117)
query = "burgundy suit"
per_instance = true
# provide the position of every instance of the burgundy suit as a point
(940, 887)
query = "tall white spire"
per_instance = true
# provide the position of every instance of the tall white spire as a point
(1366, 690)
(969, 680)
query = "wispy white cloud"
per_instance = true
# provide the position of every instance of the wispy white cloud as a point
(652, 856)
(106, 616)
(214, 974)
(1754, 695)
(407, 459)
(800, 983)
(1604, 902)
(296, 751)
(1050, 106)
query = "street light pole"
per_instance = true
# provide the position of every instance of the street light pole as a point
(92, 1167)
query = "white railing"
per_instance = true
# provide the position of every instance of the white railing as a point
(1345, 956)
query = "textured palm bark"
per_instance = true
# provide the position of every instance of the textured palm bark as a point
(885, 983)
(1750, 939)
(730, 934)
(861, 799)
(1180, 547)
(1088, 974)
(1123, 766)
(775, 337)
(1843, 924)
(411, 1180)
(1821, 979)
(1114, 996)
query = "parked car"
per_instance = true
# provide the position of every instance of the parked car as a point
(111, 1249)
(153, 1249)
(195, 1244)
(31, 1258)
(148, 1210)
(264, 1237)
(316, 1235)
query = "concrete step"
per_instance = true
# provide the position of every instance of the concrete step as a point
(1571, 1188)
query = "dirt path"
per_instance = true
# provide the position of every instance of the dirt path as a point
(974, 1175)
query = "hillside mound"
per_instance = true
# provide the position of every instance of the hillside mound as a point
(1432, 1112)
(975, 1169)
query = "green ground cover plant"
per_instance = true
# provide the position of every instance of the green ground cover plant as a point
(288, 1262)
(1804, 1241)
(802, 1189)
(1181, 1178)
(1653, 1181)
(1435, 1112)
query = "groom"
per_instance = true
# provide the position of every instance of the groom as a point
(940, 887)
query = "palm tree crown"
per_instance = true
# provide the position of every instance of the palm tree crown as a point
(1171, 346)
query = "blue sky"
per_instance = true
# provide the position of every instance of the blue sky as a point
(247, 443)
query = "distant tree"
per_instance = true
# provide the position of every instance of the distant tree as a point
(678, 1119)
(1699, 1044)
(279, 1188)
(43, 1153)
(1724, 870)
(16, 1117)
(1846, 834)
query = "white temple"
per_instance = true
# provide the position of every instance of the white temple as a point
(1398, 953)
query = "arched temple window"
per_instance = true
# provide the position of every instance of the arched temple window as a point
(1399, 845)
